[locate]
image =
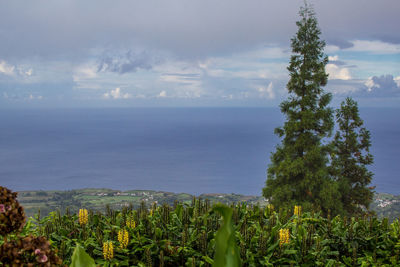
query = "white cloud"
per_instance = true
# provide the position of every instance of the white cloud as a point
(267, 91)
(184, 85)
(142, 96)
(6, 68)
(116, 94)
(85, 76)
(230, 96)
(397, 81)
(336, 72)
(32, 97)
(374, 47)
(162, 94)
(23, 71)
(84, 72)
(333, 58)
(182, 79)
(384, 84)
(20, 71)
(87, 72)
(28, 72)
(369, 83)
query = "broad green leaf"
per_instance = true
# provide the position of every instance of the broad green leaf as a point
(226, 250)
(81, 259)
(208, 260)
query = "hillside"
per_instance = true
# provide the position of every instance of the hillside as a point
(385, 205)
(98, 199)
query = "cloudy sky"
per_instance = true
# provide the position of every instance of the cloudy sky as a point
(98, 53)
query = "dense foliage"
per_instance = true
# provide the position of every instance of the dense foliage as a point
(350, 158)
(184, 235)
(20, 248)
(298, 173)
(28, 251)
(12, 215)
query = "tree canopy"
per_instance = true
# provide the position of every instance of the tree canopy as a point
(307, 168)
(351, 157)
(298, 173)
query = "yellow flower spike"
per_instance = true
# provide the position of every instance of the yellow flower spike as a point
(83, 216)
(130, 223)
(284, 236)
(123, 238)
(105, 250)
(151, 212)
(297, 211)
(108, 250)
(270, 207)
(120, 236)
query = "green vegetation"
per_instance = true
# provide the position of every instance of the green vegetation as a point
(306, 168)
(186, 235)
(226, 249)
(81, 259)
(149, 228)
(298, 173)
(350, 157)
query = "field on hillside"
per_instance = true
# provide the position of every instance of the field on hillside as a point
(98, 199)
(384, 205)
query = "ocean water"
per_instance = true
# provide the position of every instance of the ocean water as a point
(194, 150)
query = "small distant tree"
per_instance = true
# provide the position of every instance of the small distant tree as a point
(350, 159)
(298, 173)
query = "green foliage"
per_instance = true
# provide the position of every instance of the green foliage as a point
(187, 235)
(350, 158)
(81, 259)
(298, 173)
(226, 250)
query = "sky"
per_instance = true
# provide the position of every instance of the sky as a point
(98, 53)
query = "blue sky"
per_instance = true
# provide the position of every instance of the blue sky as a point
(98, 53)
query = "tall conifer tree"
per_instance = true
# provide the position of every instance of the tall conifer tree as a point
(350, 159)
(298, 173)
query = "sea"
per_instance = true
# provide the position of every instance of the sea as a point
(192, 150)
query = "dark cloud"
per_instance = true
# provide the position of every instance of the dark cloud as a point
(128, 62)
(387, 38)
(341, 63)
(342, 44)
(343, 20)
(72, 29)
